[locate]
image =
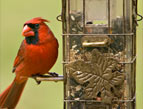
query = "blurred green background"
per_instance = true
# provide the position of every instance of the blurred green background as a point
(14, 13)
(47, 95)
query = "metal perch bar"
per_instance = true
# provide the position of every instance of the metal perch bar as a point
(126, 100)
(125, 34)
(56, 79)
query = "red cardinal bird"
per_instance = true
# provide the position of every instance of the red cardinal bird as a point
(37, 54)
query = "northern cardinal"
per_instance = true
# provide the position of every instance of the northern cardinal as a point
(37, 54)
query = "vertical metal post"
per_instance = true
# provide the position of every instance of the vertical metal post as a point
(64, 29)
(109, 19)
(84, 16)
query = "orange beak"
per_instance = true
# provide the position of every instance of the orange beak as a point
(27, 31)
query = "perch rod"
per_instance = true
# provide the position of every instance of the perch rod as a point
(56, 79)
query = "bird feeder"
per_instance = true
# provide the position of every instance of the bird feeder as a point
(99, 53)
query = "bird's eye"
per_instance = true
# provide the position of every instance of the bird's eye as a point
(36, 25)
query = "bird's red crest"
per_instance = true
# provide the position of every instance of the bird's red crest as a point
(37, 20)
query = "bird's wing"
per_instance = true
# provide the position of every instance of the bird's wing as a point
(20, 56)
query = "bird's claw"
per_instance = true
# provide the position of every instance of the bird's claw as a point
(34, 77)
(38, 82)
(53, 74)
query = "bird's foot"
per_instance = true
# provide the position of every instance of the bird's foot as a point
(50, 74)
(34, 77)
(53, 74)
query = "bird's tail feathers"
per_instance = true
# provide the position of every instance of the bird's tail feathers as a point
(11, 95)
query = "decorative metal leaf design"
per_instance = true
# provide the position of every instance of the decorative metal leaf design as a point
(101, 74)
